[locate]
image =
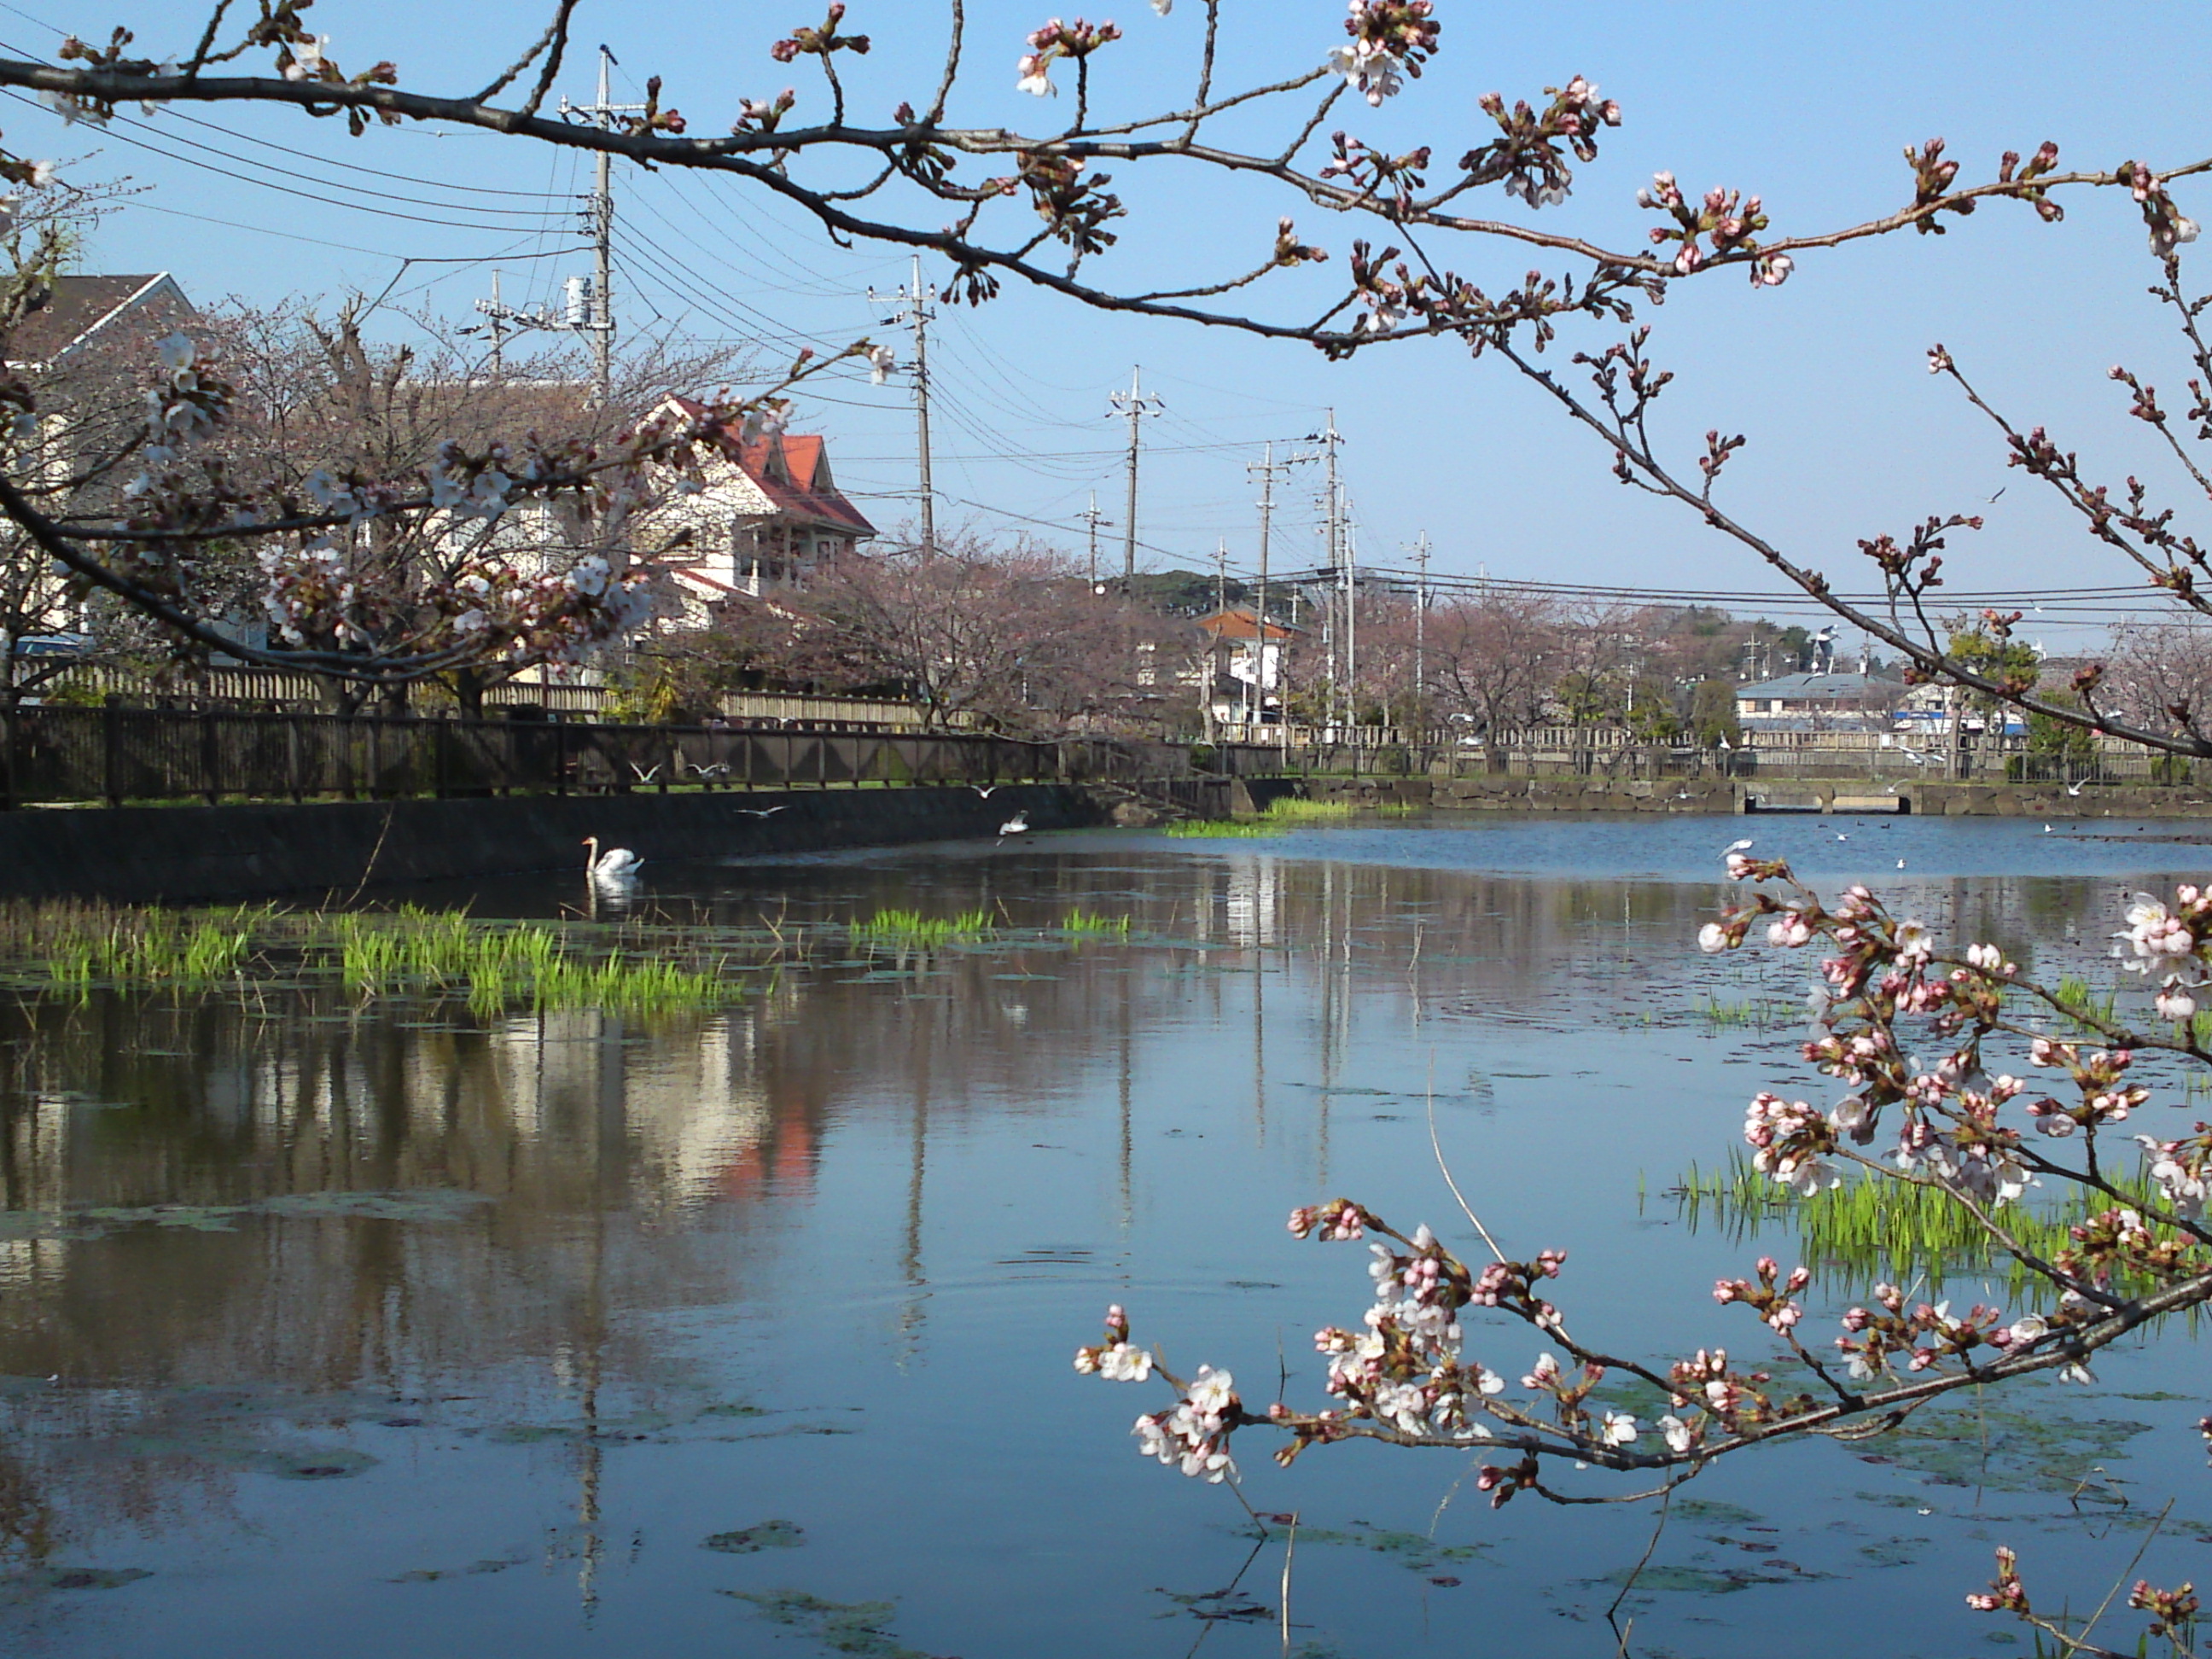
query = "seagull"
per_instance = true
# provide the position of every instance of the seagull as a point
(762, 811)
(1017, 825)
(1736, 846)
(985, 793)
(2072, 788)
(715, 771)
(644, 776)
(1901, 864)
(2046, 829)
(1842, 837)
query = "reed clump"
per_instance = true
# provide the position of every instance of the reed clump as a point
(911, 928)
(1089, 923)
(497, 967)
(1226, 829)
(1292, 809)
(2075, 996)
(80, 947)
(1278, 816)
(1879, 1227)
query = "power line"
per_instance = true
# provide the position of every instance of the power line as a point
(288, 190)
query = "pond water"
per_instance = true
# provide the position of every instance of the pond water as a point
(359, 1330)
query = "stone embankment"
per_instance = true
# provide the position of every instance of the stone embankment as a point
(179, 854)
(1717, 795)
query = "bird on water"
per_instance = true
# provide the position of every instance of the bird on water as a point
(616, 864)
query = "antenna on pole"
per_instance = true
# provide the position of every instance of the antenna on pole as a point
(1421, 639)
(917, 312)
(1136, 406)
(1267, 471)
(1091, 516)
(598, 318)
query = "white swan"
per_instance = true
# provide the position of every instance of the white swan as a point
(616, 864)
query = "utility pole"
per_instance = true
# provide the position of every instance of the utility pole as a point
(497, 326)
(1421, 639)
(918, 312)
(1094, 518)
(1267, 471)
(599, 310)
(1351, 628)
(1220, 627)
(1333, 504)
(1136, 405)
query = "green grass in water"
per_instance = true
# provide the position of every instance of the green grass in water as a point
(1281, 815)
(2074, 993)
(1881, 1228)
(911, 927)
(1224, 829)
(1079, 920)
(415, 952)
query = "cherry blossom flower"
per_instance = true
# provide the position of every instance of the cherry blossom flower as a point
(2157, 942)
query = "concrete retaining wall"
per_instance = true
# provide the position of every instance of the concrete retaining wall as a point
(1511, 794)
(181, 853)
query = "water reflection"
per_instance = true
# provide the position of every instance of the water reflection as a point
(623, 1277)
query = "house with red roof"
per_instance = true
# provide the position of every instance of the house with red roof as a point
(769, 512)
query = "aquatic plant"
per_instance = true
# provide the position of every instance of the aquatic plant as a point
(1876, 1227)
(77, 947)
(1079, 920)
(1294, 809)
(911, 927)
(2098, 1245)
(1226, 829)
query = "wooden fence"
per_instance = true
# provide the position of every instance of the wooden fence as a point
(59, 754)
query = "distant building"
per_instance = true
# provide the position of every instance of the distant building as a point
(1244, 658)
(1832, 701)
(770, 511)
(75, 312)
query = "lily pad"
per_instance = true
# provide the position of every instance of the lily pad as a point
(851, 1627)
(31, 1584)
(1712, 1511)
(777, 1534)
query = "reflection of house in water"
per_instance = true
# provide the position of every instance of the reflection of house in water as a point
(1253, 901)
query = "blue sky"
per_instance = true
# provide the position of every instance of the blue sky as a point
(1809, 106)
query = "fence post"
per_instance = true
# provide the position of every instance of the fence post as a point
(111, 743)
(559, 757)
(376, 754)
(439, 759)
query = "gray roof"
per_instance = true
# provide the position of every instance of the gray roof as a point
(1824, 688)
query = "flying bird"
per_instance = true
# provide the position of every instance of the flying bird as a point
(1901, 864)
(715, 771)
(1017, 825)
(762, 811)
(644, 776)
(1736, 846)
(2072, 788)
(985, 793)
